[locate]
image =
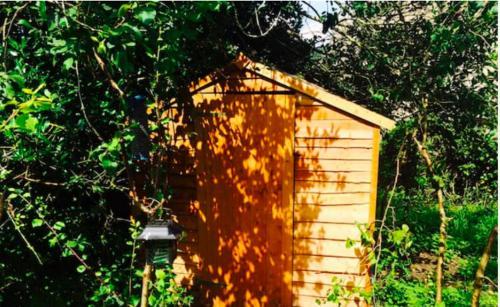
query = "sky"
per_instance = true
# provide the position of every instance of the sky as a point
(312, 27)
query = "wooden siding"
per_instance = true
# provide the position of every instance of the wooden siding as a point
(269, 185)
(334, 163)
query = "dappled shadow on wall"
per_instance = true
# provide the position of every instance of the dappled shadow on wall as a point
(245, 141)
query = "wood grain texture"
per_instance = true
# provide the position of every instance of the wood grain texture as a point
(328, 264)
(316, 230)
(348, 214)
(331, 187)
(321, 247)
(346, 177)
(316, 142)
(321, 95)
(332, 199)
(306, 111)
(324, 278)
(334, 153)
(333, 165)
(333, 129)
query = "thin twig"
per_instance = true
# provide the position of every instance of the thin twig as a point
(262, 34)
(28, 244)
(77, 256)
(102, 66)
(388, 206)
(6, 34)
(82, 105)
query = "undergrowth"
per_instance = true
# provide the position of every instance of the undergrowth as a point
(472, 216)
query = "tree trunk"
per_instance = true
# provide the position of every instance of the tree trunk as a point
(146, 277)
(442, 246)
(442, 218)
(478, 282)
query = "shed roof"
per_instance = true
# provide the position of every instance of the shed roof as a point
(300, 85)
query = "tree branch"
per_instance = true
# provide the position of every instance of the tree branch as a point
(82, 106)
(112, 82)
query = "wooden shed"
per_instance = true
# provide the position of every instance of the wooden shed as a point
(272, 177)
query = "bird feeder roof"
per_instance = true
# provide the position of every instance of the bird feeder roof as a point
(161, 230)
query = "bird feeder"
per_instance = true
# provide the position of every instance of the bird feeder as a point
(161, 238)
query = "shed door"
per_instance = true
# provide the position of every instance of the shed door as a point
(245, 190)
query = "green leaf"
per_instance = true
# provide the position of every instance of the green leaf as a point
(124, 8)
(23, 22)
(72, 244)
(42, 10)
(26, 122)
(134, 300)
(27, 91)
(114, 145)
(31, 123)
(160, 274)
(81, 268)
(378, 97)
(102, 47)
(59, 225)
(68, 63)
(36, 223)
(146, 15)
(17, 78)
(108, 164)
(349, 243)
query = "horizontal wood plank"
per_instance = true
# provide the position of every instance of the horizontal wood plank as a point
(332, 199)
(332, 214)
(332, 129)
(185, 279)
(316, 289)
(317, 277)
(334, 153)
(328, 264)
(189, 260)
(352, 177)
(319, 111)
(184, 269)
(332, 143)
(331, 187)
(187, 248)
(321, 247)
(315, 230)
(332, 165)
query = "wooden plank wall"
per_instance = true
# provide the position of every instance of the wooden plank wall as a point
(334, 190)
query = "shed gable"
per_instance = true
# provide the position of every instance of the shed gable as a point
(316, 93)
